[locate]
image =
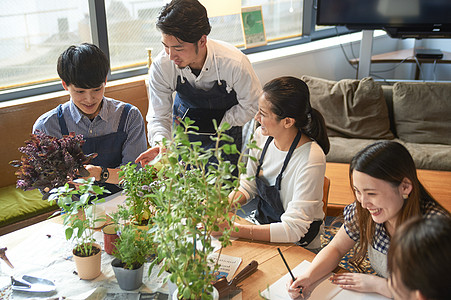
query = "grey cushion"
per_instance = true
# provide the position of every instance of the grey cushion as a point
(351, 108)
(425, 156)
(422, 112)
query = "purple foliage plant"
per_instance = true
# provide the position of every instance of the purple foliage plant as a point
(48, 162)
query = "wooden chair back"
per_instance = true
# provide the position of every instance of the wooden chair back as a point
(326, 194)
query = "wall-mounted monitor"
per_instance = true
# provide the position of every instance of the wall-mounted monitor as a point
(399, 18)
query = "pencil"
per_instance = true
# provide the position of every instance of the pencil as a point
(286, 264)
(283, 258)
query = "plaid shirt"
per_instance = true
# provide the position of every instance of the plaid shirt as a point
(381, 240)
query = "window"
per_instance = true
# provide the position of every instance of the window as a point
(282, 19)
(33, 33)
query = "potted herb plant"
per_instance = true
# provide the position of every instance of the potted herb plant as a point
(193, 201)
(138, 184)
(133, 219)
(78, 220)
(133, 248)
(48, 162)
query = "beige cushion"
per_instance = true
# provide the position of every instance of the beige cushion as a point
(422, 112)
(351, 108)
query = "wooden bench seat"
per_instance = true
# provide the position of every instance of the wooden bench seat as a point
(19, 208)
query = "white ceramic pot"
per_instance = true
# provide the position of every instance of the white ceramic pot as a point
(96, 212)
(215, 294)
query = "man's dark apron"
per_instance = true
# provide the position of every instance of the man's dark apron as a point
(108, 146)
(202, 107)
(269, 205)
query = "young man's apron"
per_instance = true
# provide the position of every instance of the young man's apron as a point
(269, 205)
(202, 107)
(108, 147)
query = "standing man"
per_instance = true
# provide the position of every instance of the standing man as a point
(212, 80)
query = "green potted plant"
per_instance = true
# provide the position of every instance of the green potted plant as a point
(192, 201)
(78, 219)
(133, 248)
(138, 184)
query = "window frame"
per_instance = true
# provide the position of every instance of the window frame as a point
(98, 22)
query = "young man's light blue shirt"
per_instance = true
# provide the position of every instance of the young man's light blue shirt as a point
(106, 122)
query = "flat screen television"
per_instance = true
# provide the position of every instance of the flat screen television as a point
(399, 18)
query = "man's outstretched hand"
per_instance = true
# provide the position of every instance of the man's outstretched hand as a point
(148, 155)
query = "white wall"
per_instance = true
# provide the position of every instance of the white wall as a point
(325, 59)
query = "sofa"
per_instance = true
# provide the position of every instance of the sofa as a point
(360, 112)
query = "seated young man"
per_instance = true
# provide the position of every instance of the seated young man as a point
(112, 129)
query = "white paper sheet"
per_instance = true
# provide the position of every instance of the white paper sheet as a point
(326, 290)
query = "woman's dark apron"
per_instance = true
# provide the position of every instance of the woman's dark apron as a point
(108, 146)
(202, 107)
(269, 205)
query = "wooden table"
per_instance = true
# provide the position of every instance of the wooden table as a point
(270, 264)
(406, 56)
(438, 183)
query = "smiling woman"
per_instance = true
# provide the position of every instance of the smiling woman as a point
(388, 193)
(287, 181)
(382, 199)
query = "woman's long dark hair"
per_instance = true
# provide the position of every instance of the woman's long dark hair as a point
(290, 97)
(389, 161)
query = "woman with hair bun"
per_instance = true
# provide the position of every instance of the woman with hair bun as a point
(288, 175)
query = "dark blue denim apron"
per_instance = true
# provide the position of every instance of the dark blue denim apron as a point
(202, 107)
(108, 146)
(269, 205)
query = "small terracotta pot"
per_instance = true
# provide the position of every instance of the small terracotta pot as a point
(109, 237)
(88, 267)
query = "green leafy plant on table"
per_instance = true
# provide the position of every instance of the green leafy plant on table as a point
(192, 202)
(138, 185)
(133, 219)
(133, 248)
(135, 245)
(77, 212)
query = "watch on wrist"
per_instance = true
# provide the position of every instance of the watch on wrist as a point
(104, 175)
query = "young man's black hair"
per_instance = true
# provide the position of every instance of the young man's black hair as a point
(84, 66)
